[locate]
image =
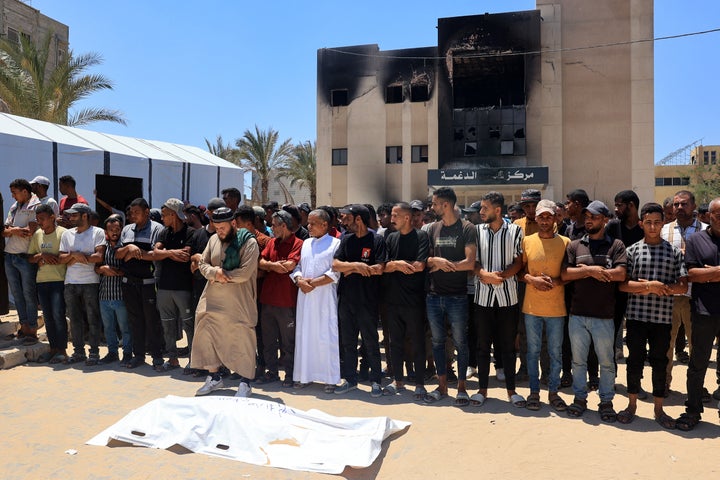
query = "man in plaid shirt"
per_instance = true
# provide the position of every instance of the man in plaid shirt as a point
(655, 272)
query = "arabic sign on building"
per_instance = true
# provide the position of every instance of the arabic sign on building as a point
(489, 176)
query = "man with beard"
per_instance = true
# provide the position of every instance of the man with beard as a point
(81, 248)
(404, 296)
(595, 263)
(499, 259)
(544, 302)
(677, 232)
(227, 313)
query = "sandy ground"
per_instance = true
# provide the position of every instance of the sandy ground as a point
(50, 409)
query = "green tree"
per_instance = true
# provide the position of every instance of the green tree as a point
(705, 182)
(261, 154)
(301, 169)
(223, 150)
(30, 88)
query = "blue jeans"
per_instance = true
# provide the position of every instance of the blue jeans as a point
(114, 313)
(52, 300)
(554, 332)
(601, 331)
(21, 279)
(456, 310)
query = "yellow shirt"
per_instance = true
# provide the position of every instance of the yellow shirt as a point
(545, 255)
(48, 243)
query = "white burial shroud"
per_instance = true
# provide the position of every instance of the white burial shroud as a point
(255, 431)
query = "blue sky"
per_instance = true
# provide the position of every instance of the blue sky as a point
(185, 71)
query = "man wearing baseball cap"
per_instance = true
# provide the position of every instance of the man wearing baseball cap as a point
(596, 263)
(174, 289)
(40, 186)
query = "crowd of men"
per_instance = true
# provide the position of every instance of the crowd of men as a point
(260, 290)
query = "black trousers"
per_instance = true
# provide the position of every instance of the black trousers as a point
(406, 321)
(145, 326)
(498, 324)
(359, 319)
(640, 334)
(704, 330)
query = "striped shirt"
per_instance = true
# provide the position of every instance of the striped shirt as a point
(676, 235)
(111, 287)
(495, 252)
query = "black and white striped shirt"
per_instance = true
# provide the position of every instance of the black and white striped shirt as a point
(111, 287)
(495, 252)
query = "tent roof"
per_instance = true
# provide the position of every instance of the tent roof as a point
(88, 139)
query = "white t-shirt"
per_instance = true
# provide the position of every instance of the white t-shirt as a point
(85, 242)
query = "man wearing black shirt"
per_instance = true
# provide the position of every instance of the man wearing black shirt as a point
(135, 248)
(361, 258)
(452, 256)
(404, 295)
(174, 295)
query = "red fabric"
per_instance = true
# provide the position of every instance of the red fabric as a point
(67, 202)
(278, 289)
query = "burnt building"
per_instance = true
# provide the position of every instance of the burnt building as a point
(556, 98)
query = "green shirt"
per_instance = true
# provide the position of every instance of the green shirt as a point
(48, 243)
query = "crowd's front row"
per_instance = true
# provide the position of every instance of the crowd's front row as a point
(316, 296)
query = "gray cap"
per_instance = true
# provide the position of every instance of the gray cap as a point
(597, 207)
(79, 208)
(177, 206)
(40, 180)
(417, 205)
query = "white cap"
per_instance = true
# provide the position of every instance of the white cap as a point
(41, 180)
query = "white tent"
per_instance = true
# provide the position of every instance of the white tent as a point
(125, 166)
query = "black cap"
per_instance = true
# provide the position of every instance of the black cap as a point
(597, 207)
(223, 214)
(530, 196)
(357, 209)
(216, 203)
(473, 208)
(305, 207)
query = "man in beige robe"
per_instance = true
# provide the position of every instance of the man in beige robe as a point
(227, 311)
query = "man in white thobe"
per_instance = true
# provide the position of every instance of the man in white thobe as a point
(317, 352)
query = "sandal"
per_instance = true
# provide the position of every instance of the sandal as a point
(392, 389)
(419, 393)
(57, 358)
(75, 358)
(45, 357)
(477, 399)
(607, 412)
(462, 399)
(434, 396)
(517, 401)
(533, 402)
(666, 421)
(557, 403)
(687, 421)
(577, 407)
(166, 367)
(626, 416)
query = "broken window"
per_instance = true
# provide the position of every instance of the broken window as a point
(393, 154)
(339, 97)
(394, 94)
(470, 149)
(13, 36)
(419, 93)
(419, 154)
(339, 156)
(706, 157)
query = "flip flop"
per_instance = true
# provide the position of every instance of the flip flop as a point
(517, 401)
(434, 396)
(462, 400)
(477, 399)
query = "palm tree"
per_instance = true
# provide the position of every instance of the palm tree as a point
(261, 154)
(223, 150)
(29, 87)
(301, 168)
